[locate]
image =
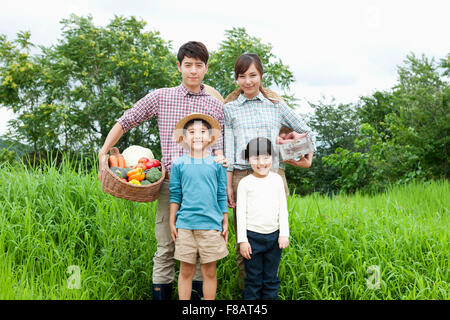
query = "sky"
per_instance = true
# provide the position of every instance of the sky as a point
(338, 50)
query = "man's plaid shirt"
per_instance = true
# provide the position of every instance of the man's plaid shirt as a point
(246, 119)
(170, 105)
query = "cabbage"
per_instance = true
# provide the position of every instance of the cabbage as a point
(132, 154)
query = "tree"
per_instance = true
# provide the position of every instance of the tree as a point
(221, 64)
(75, 90)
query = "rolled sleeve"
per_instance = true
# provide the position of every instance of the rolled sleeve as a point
(292, 120)
(145, 108)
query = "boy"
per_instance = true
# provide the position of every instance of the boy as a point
(262, 222)
(169, 105)
(198, 205)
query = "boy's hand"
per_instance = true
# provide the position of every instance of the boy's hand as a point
(225, 227)
(283, 242)
(246, 250)
(173, 232)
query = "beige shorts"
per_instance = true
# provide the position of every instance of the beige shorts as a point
(208, 244)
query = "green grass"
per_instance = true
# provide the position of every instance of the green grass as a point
(55, 217)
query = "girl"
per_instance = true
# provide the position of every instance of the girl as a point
(253, 111)
(262, 222)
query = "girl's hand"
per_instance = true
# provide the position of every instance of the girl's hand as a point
(230, 200)
(173, 232)
(246, 250)
(283, 242)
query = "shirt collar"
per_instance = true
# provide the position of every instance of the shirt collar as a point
(184, 91)
(242, 99)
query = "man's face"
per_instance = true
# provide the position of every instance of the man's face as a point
(193, 71)
(197, 136)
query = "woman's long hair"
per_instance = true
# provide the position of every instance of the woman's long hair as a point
(241, 66)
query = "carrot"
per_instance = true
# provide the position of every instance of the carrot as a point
(121, 161)
(113, 161)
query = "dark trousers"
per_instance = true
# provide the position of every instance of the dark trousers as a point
(261, 281)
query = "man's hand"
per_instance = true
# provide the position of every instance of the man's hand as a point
(225, 227)
(246, 250)
(101, 156)
(219, 158)
(283, 242)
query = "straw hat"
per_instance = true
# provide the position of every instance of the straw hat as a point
(215, 126)
(214, 93)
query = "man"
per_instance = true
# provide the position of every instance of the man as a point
(170, 105)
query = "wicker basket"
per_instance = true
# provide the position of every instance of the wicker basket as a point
(113, 185)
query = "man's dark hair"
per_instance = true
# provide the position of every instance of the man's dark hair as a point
(193, 49)
(256, 147)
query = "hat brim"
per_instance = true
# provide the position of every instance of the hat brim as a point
(215, 127)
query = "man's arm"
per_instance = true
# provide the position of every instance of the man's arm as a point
(113, 136)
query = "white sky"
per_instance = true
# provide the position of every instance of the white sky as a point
(340, 49)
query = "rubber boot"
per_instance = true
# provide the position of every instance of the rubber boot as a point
(162, 291)
(197, 290)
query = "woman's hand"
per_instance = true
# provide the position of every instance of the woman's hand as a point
(304, 162)
(283, 242)
(246, 250)
(230, 197)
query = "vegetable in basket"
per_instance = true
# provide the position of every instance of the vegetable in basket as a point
(153, 175)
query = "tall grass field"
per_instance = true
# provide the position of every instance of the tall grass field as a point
(62, 237)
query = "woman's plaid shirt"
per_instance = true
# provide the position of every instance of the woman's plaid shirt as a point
(246, 119)
(170, 105)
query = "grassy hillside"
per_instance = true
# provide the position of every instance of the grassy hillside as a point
(55, 218)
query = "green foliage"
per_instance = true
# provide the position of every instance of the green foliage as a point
(404, 134)
(57, 216)
(221, 64)
(70, 95)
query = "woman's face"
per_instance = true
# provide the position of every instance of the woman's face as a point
(250, 81)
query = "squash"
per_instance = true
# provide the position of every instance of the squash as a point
(132, 154)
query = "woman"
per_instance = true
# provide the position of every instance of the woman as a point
(253, 111)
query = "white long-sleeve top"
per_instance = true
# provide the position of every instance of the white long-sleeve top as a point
(261, 206)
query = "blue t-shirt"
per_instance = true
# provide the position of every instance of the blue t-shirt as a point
(199, 186)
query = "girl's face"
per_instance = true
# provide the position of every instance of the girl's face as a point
(261, 165)
(250, 81)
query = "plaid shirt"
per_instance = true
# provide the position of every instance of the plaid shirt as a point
(246, 119)
(170, 105)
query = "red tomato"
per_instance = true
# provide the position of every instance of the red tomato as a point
(143, 160)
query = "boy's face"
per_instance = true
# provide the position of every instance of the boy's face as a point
(193, 71)
(197, 137)
(261, 164)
